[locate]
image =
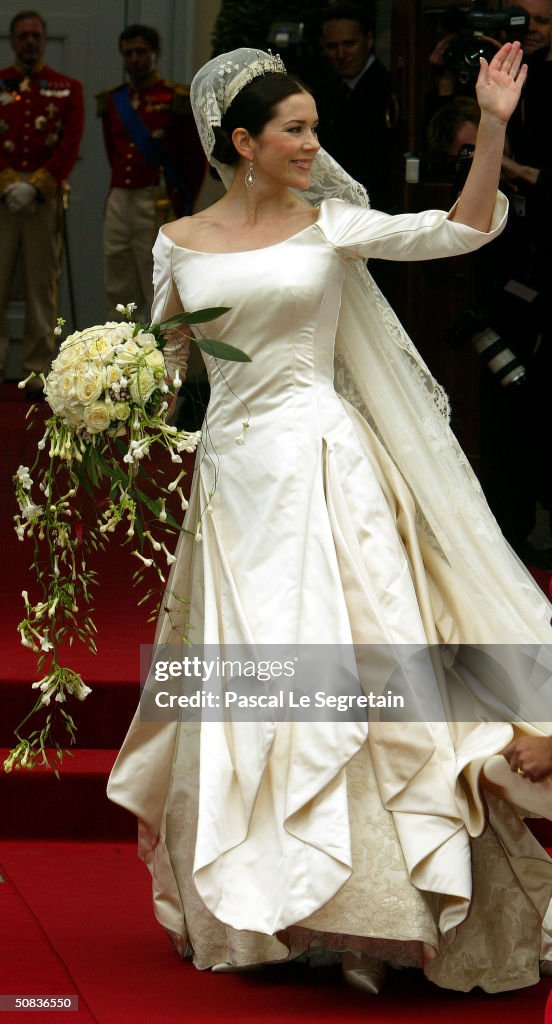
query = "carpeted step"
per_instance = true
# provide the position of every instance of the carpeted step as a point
(38, 805)
(102, 719)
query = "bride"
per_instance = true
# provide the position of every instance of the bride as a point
(331, 505)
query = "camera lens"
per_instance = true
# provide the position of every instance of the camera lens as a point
(500, 359)
(473, 51)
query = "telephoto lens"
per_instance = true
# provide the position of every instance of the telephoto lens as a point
(503, 364)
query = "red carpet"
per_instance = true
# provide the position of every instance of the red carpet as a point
(75, 904)
(80, 923)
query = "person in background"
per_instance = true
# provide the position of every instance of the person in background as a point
(539, 32)
(529, 131)
(157, 166)
(41, 123)
(530, 756)
(508, 297)
(361, 106)
(446, 85)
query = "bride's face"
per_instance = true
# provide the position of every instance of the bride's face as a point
(287, 145)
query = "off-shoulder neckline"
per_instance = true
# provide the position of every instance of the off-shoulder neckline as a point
(243, 252)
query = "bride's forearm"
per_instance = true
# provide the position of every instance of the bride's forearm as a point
(498, 89)
(477, 200)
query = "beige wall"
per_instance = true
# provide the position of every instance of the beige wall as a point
(205, 14)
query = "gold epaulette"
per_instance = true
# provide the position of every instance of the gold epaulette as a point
(44, 182)
(181, 100)
(8, 177)
(102, 100)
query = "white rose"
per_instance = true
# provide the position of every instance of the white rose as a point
(70, 354)
(121, 411)
(128, 353)
(154, 359)
(90, 383)
(123, 331)
(142, 384)
(64, 386)
(146, 340)
(101, 348)
(97, 417)
(75, 336)
(55, 400)
(112, 374)
(74, 416)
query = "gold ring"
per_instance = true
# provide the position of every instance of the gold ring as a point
(520, 771)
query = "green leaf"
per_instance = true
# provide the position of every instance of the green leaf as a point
(150, 503)
(221, 350)
(200, 316)
(90, 467)
(113, 471)
(171, 521)
(139, 530)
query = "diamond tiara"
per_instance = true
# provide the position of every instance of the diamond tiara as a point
(264, 64)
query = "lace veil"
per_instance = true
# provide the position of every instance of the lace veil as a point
(380, 372)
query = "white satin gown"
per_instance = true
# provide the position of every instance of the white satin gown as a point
(268, 839)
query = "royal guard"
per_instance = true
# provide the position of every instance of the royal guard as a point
(41, 123)
(157, 167)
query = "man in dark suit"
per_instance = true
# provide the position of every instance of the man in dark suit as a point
(357, 120)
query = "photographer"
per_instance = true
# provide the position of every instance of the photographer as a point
(538, 35)
(508, 323)
(479, 32)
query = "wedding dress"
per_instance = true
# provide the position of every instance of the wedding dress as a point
(267, 839)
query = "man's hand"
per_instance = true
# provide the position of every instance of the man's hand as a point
(513, 171)
(437, 56)
(20, 196)
(530, 756)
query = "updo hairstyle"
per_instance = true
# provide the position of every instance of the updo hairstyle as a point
(252, 109)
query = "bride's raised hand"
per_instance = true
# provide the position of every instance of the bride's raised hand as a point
(500, 83)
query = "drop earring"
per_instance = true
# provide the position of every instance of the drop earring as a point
(250, 178)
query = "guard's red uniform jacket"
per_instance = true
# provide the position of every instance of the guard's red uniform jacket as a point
(164, 108)
(41, 123)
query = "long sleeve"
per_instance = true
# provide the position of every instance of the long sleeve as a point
(358, 233)
(166, 302)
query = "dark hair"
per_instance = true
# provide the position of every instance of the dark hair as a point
(349, 12)
(151, 35)
(444, 125)
(252, 108)
(22, 15)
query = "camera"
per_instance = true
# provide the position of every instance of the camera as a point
(283, 34)
(474, 326)
(462, 56)
(289, 39)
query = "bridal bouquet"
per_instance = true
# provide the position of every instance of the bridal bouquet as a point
(109, 395)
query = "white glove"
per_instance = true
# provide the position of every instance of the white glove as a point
(20, 196)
